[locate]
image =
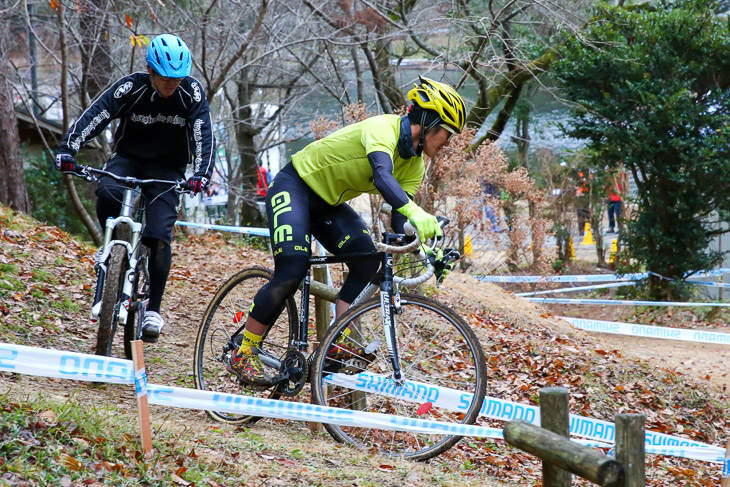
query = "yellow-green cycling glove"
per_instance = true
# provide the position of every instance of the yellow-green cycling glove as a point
(426, 224)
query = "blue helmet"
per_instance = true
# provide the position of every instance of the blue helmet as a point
(169, 56)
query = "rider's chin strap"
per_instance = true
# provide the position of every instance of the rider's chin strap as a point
(424, 131)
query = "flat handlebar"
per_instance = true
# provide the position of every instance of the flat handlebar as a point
(89, 173)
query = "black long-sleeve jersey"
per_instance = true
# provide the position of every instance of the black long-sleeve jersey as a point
(168, 132)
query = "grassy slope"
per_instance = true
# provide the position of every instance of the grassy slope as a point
(89, 431)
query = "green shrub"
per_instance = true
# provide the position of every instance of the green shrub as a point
(49, 198)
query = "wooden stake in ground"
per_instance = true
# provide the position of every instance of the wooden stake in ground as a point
(322, 318)
(143, 409)
(726, 467)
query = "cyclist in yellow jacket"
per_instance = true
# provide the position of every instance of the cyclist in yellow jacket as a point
(382, 154)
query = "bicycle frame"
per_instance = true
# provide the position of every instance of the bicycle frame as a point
(389, 299)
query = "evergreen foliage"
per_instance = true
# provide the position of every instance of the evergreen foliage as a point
(49, 200)
(651, 89)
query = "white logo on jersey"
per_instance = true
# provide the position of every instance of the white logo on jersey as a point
(123, 89)
(196, 91)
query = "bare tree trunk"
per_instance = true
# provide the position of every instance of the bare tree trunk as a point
(13, 191)
(386, 72)
(246, 130)
(86, 219)
(97, 65)
(358, 74)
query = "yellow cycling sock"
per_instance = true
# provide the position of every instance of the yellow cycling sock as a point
(250, 340)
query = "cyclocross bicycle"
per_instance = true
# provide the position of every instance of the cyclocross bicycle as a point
(422, 359)
(122, 285)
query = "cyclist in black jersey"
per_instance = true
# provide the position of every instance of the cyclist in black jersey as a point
(382, 154)
(164, 125)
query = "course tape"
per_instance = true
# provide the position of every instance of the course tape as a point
(65, 365)
(71, 365)
(77, 366)
(592, 277)
(633, 329)
(623, 302)
(578, 288)
(263, 232)
(271, 408)
(711, 284)
(140, 382)
(726, 468)
(593, 429)
(566, 278)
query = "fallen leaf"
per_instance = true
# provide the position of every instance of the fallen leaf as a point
(179, 480)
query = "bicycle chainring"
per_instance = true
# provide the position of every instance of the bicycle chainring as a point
(293, 374)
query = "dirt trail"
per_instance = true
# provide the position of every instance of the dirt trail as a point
(703, 362)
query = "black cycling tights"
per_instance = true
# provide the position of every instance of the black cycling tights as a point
(159, 266)
(291, 269)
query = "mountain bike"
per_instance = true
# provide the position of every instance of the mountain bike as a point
(122, 282)
(418, 352)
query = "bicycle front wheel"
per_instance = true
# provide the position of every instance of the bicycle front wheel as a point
(138, 303)
(221, 330)
(442, 365)
(111, 295)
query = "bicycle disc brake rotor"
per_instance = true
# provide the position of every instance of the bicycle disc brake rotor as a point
(293, 375)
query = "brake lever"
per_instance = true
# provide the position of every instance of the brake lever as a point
(85, 174)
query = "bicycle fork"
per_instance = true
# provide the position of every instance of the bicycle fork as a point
(390, 306)
(129, 276)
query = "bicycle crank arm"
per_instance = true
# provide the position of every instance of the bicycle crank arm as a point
(294, 373)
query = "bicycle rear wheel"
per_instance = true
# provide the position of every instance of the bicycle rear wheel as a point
(442, 364)
(225, 316)
(116, 269)
(138, 303)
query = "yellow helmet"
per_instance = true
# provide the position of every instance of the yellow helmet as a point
(441, 98)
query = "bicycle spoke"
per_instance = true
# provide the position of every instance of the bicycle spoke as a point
(225, 316)
(438, 352)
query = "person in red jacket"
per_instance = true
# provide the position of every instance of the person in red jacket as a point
(614, 201)
(262, 186)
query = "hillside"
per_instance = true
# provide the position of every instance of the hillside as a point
(46, 281)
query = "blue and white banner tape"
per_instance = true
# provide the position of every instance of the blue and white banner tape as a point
(140, 382)
(566, 278)
(623, 302)
(263, 232)
(711, 284)
(65, 365)
(591, 277)
(271, 408)
(77, 366)
(70, 365)
(712, 455)
(441, 397)
(578, 288)
(633, 329)
(726, 468)
(713, 272)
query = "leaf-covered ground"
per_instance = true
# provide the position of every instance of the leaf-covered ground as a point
(46, 281)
